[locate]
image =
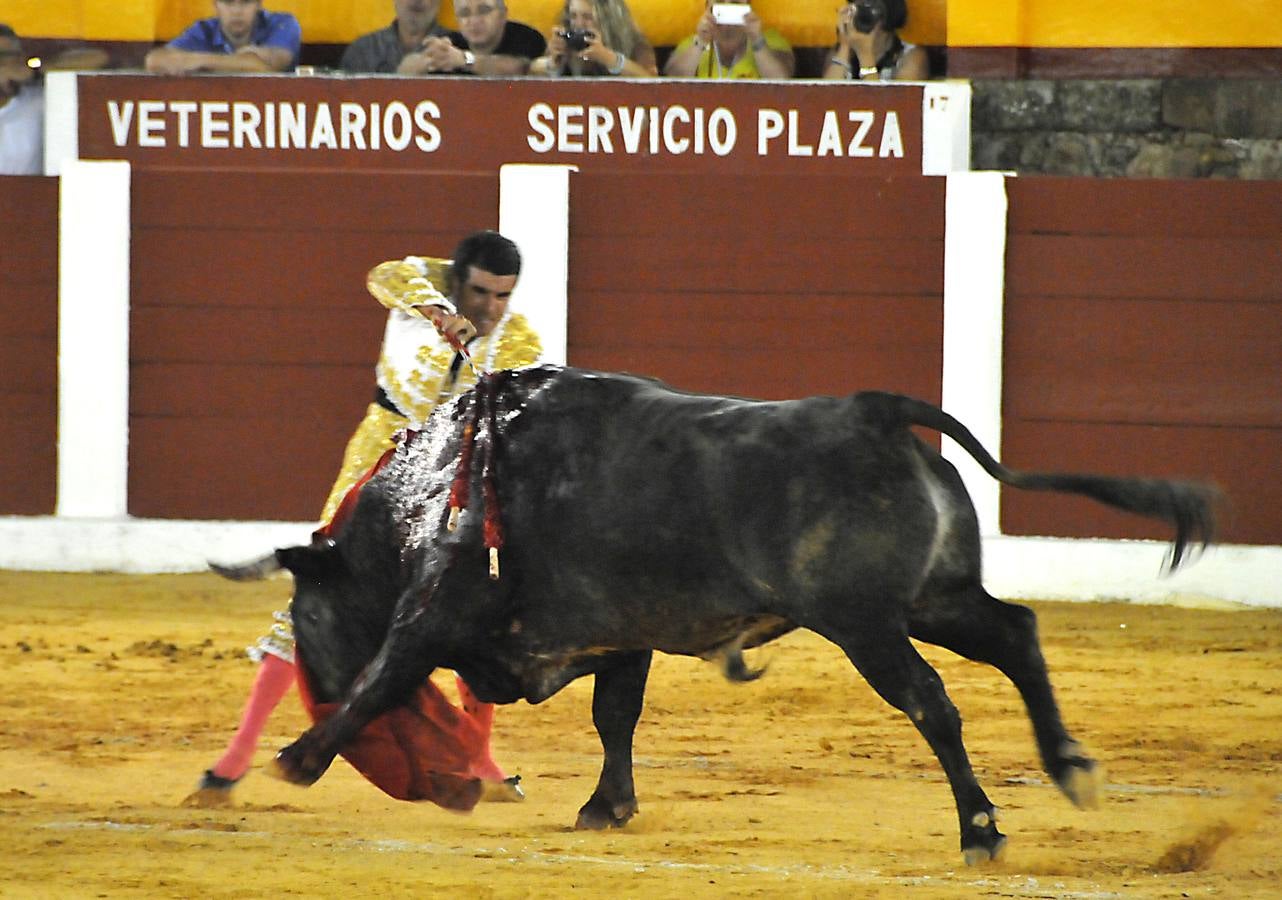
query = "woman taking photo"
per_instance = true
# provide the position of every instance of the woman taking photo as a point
(869, 47)
(598, 38)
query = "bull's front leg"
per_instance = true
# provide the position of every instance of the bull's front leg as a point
(399, 667)
(617, 698)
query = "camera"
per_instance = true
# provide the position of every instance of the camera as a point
(576, 38)
(730, 13)
(868, 15)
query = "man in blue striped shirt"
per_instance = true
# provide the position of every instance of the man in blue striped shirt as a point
(241, 37)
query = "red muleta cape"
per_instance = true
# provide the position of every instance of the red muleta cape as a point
(424, 750)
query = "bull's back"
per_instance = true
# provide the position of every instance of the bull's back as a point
(680, 507)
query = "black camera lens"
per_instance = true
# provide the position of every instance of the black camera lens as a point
(576, 39)
(867, 15)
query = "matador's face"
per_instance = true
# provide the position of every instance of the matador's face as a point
(483, 297)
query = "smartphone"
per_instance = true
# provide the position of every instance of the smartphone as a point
(730, 13)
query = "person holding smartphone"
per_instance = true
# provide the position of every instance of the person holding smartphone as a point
(731, 41)
(869, 47)
(597, 38)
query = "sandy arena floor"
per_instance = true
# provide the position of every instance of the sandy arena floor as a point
(119, 690)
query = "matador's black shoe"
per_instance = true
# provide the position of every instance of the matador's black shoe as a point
(212, 792)
(506, 791)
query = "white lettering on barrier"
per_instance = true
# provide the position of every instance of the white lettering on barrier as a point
(569, 126)
(183, 109)
(863, 122)
(213, 124)
(773, 124)
(351, 117)
(150, 125)
(600, 124)
(293, 125)
(892, 142)
(246, 120)
(248, 125)
(675, 130)
(323, 134)
(425, 115)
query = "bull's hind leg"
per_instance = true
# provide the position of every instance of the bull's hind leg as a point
(895, 670)
(617, 697)
(976, 625)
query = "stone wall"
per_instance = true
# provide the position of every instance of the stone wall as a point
(1161, 128)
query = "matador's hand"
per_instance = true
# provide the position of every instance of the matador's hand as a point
(456, 329)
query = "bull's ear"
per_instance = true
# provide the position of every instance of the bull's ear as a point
(319, 556)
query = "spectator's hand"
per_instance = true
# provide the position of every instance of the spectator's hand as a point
(596, 51)
(706, 30)
(454, 328)
(557, 50)
(752, 25)
(255, 50)
(182, 63)
(416, 62)
(441, 55)
(853, 40)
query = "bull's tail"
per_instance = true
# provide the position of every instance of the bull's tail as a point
(1187, 505)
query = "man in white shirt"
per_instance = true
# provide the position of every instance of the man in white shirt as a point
(22, 105)
(22, 102)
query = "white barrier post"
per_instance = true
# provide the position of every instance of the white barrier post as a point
(534, 211)
(93, 340)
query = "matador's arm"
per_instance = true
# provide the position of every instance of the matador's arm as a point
(416, 286)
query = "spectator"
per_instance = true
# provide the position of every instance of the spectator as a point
(499, 46)
(744, 49)
(417, 369)
(398, 48)
(22, 104)
(869, 47)
(241, 37)
(414, 44)
(599, 37)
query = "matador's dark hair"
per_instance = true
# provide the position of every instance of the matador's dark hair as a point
(487, 250)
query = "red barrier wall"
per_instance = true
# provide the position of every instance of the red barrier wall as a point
(252, 338)
(771, 287)
(28, 344)
(1143, 327)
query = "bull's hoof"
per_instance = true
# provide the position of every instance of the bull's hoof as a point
(280, 768)
(981, 841)
(213, 792)
(506, 791)
(976, 856)
(1079, 777)
(598, 815)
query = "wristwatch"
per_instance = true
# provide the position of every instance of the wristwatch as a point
(469, 59)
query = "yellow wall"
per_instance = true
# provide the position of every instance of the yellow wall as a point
(958, 23)
(1109, 23)
(665, 22)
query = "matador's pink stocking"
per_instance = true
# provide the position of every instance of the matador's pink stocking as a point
(483, 765)
(274, 678)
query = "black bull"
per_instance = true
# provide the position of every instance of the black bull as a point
(639, 518)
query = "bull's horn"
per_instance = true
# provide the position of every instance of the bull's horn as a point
(255, 570)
